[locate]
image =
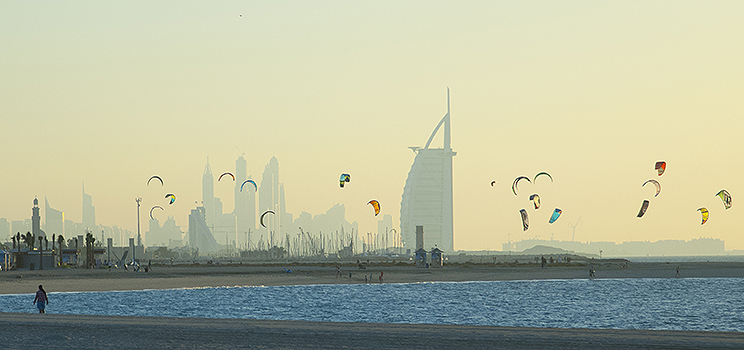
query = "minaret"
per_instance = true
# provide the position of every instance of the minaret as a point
(36, 220)
(208, 194)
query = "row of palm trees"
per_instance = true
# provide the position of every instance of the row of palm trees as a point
(31, 240)
(43, 243)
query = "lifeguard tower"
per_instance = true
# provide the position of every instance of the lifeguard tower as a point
(437, 258)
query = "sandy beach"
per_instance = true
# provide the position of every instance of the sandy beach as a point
(165, 277)
(79, 331)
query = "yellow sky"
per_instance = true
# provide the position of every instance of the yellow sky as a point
(593, 92)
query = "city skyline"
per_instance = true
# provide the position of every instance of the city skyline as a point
(592, 93)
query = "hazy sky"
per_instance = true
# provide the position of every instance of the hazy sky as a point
(595, 93)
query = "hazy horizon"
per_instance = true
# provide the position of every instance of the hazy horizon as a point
(592, 92)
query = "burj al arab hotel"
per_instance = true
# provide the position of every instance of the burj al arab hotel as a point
(427, 195)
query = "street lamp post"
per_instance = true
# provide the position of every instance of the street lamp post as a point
(139, 238)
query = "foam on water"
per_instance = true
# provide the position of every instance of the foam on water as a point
(710, 304)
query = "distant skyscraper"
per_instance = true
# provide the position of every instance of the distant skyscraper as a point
(19, 226)
(89, 212)
(268, 196)
(54, 220)
(208, 195)
(245, 200)
(4, 228)
(286, 223)
(427, 195)
(153, 236)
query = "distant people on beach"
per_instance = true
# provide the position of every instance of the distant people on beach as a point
(380, 276)
(677, 275)
(41, 299)
(591, 271)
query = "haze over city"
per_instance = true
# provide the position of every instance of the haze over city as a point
(593, 93)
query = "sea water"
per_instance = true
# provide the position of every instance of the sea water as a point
(707, 304)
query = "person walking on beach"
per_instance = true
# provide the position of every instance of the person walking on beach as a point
(677, 275)
(41, 299)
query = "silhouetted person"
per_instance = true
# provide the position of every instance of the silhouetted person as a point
(41, 299)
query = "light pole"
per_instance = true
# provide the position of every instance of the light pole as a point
(139, 238)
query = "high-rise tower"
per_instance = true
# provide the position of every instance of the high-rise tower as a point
(427, 195)
(268, 196)
(208, 195)
(245, 200)
(54, 222)
(89, 212)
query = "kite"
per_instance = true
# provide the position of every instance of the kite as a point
(725, 197)
(344, 178)
(660, 167)
(155, 177)
(543, 173)
(536, 200)
(644, 206)
(514, 185)
(153, 208)
(376, 205)
(172, 197)
(493, 183)
(704, 212)
(264, 214)
(656, 183)
(249, 181)
(231, 175)
(525, 219)
(556, 213)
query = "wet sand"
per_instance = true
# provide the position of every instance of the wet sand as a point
(34, 331)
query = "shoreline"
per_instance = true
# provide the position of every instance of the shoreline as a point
(23, 331)
(69, 331)
(170, 277)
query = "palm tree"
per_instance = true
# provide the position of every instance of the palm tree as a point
(61, 244)
(29, 240)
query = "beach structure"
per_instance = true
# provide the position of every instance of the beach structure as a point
(420, 257)
(437, 258)
(5, 259)
(36, 253)
(200, 236)
(427, 195)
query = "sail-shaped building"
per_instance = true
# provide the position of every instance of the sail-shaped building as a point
(427, 195)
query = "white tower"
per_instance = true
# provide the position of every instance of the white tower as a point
(427, 195)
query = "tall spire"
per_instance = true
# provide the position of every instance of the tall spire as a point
(447, 124)
(446, 121)
(207, 168)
